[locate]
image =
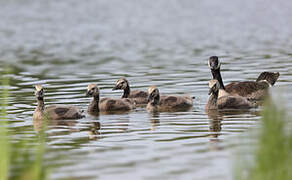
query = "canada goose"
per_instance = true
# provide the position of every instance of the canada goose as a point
(220, 99)
(107, 104)
(253, 90)
(168, 103)
(140, 97)
(54, 112)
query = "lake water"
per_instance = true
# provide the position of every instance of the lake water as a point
(65, 45)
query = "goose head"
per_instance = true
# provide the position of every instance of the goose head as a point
(39, 91)
(214, 63)
(92, 90)
(121, 84)
(153, 94)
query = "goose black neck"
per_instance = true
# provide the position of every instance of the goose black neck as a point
(217, 75)
(126, 92)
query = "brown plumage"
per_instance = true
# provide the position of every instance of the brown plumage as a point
(220, 99)
(249, 89)
(253, 90)
(54, 112)
(167, 103)
(107, 104)
(139, 96)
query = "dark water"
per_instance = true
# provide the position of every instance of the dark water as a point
(65, 45)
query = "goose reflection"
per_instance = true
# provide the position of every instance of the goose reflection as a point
(40, 124)
(217, 116)
(93, 126)
(94, 130)
(215, 122)
(154, 120)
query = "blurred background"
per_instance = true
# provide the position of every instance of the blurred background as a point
(65, 45)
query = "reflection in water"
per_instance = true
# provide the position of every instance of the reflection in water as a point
(67, 126)
(154, 120)
(215, 122)
(39, 124)
(217, 118)
(109, 42)
(94, 132)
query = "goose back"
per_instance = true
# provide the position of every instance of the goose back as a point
(57, 112)
(109, 104)
(233, 102)
(175, 102)
(139, 96)
(249, 89)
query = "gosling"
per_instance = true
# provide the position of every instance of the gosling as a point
(253, 90)
(54, 112)
(220, 99)
(168, 103)
(107, 104)
(140, 97)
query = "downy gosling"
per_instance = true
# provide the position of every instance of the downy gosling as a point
(168, 103)
(220, 99)
(53, 112)
(107, 104)
(140, 97)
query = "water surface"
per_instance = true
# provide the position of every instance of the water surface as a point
(65, 45)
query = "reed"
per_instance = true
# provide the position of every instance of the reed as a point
(272, 157)
(20, 159)
(4, 138)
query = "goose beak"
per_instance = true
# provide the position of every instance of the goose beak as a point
(150, 97)
(88, 93)
(211, 90)
(38, 94)
(214, 65)
(115, 88)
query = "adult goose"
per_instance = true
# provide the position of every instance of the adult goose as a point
(140, 97)
(253, 90)
(107, 104)
(220, 99)
(53, 112)
(168, 103)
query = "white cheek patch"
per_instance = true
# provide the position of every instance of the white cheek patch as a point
(218, 65)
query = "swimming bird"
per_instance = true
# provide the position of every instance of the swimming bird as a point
(253, 90)
(220, 99)
(53, 112)
(168, 103)
(107, 104)
(140, 97)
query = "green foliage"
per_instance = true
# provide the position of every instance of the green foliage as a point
(4, 141)
(19, 159)
(273, 154)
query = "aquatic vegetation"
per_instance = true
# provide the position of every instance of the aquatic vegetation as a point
(272, 158)
(4, 141)
(19, 159)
